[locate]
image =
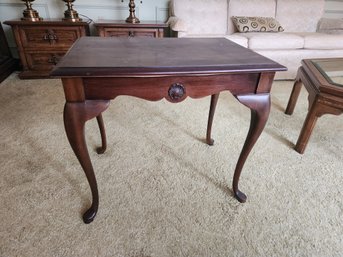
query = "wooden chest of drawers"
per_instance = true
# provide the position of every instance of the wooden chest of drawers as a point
(41, 44)
(113, 28)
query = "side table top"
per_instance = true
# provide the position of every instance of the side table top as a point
(96, 56)
(331, 69)
(326, 74)
(123, 24)
(58, 22)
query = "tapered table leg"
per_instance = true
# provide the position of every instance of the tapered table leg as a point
(75, 116)
(307, 128)
(260, 108)
(295, 94)
(214, 100)
(102, 148)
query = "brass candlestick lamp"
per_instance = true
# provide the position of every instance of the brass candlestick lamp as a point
(70, 14)
(132, 18)
(29, 13)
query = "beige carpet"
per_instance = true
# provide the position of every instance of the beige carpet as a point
(163, 192)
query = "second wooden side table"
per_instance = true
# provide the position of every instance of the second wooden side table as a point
(117, 28)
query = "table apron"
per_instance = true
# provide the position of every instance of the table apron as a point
(173, 88)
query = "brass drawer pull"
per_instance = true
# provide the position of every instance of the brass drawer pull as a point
(54, 59)
(50, 36)
(131, 33)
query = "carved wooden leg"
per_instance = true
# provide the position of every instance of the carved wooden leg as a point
(102, 149)
(294, 95)
(318, 107)
(75, 116)
(214, 100)
(260, 107)
(306, 131)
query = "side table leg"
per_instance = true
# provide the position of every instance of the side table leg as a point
(260, 108)
(214, 100)
(318, 107)
(102, 149)
(75, 116)
(293, 98)
(308, 126)
(295, 94)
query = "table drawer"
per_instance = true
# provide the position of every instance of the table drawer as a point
(43, 61)
(36, 36)
(132, 32)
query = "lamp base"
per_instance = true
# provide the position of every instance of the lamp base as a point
(31, 15)
(131, 19)
(71, 15)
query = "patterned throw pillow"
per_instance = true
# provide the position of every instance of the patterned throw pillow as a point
(256, 24)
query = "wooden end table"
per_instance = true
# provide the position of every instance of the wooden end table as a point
(41, 44)
(117, 28)
(323, 79)
(97, 70)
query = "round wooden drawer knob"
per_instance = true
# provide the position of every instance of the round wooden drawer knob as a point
(176, 91)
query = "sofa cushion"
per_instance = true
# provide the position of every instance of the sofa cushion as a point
(262, 8)
(238, 39)
(177, 24)
(330, 26)
(265, 40)
(299, 15)
(243, 41)
(256, 24)
(322, 41)
(202, 16)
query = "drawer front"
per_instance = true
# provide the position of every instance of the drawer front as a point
(134, 32)
(43, 61)
(58, 36)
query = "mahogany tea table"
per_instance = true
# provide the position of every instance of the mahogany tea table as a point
(97, 70)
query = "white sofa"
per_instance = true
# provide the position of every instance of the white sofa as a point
(306, 34)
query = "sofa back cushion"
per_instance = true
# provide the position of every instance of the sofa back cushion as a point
(202, 16)
(299, 15)
(260, 8)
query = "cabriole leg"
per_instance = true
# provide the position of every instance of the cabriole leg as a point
(260, 108)
(75, 116)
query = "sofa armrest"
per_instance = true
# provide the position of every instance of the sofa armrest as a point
(327, 25)
(176, 24)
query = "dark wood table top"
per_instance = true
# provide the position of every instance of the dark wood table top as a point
(97, 56)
